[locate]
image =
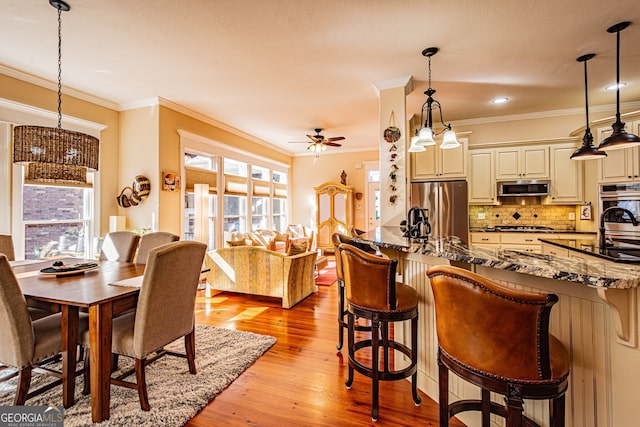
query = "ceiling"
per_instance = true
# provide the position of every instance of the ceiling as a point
(277, 70)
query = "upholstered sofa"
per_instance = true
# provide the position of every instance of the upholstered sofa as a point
(259, 271)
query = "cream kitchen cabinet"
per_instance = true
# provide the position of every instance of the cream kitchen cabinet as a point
(566, 176)
(436, 164)
(482, 177)
(485, 239)
(620, 165)
(514, 163)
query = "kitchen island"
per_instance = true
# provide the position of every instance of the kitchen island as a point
(595, 318)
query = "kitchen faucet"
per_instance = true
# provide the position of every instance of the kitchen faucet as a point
(605, 213)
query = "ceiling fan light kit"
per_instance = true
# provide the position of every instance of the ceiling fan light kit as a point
(619, 138)
(56, 155)
(427, 133)
(319, 143)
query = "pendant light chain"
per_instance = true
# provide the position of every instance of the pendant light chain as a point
(59, 68)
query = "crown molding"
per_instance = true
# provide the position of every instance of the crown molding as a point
(544, 114)
(404, 81)
(51, 85)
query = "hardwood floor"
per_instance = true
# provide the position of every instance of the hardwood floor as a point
(300, 380)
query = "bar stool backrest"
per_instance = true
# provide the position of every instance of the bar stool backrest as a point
(502, 332)
(370, 280)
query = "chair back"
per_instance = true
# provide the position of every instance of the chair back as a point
(16, 333)
(369, 280)
(337, 239)
(149, 241)
(165, 310)
(6, 246)
(119, 246)
(498, 331)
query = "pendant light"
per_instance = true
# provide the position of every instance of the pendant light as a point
(588, 151)
(56, 155)
(426, 134)
(619, 138)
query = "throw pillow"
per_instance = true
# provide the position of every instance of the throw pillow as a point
(297, 248)
(296, 230)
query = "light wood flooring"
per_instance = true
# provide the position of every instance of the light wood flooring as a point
(300, 380)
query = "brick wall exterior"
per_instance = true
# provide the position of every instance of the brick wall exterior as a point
(53, 204)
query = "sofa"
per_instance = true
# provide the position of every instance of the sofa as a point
(257, 270)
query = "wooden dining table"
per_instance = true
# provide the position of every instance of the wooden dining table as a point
(91, 291)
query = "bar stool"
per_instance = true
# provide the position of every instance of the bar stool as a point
(498, 339)
(373, 294)
(337, 239)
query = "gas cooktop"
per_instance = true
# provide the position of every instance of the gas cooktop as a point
(522, 228)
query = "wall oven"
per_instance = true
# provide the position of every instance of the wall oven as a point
(619, 229)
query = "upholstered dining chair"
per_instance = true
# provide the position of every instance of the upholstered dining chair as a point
(170, 280)
(337, 239)
(6, 246)
(119, 246)
(149, 241)
(497, 338)
(26, 342)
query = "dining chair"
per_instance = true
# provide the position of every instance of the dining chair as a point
(26, 342)
(119, 246)
(170, 280)
(6, 246)
(149, 241)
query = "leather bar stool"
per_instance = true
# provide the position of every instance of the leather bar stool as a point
(498, 339)
(337, 239)
(373, 294)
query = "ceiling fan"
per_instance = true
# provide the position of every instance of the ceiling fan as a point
(319, 142)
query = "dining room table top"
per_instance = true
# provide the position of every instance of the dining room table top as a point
(83, 289)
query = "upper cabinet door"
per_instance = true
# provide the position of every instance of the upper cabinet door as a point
(436, 164)
(619, 165)
(482, 182)
(514, 163)
(566, 176)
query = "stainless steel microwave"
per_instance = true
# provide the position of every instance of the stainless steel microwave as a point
(523, 188)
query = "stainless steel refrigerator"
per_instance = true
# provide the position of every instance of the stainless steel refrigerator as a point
(447, 206)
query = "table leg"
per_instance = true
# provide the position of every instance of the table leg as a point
(100, 317)
(69, 353)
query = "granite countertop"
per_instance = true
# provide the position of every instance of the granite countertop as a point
(590, 247)
(593, 273)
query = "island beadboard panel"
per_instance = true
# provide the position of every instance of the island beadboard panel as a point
(580, 320)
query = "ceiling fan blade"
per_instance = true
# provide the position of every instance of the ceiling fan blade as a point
(332, 144)
(335, 138)
(315, 138)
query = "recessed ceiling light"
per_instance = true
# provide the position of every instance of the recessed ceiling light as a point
(500, 100)
(615, 86)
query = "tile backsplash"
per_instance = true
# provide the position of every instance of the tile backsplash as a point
(556, 216)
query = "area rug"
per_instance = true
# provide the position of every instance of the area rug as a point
(175, 395)
(327, 276)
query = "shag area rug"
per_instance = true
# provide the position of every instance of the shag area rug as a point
(175, 395)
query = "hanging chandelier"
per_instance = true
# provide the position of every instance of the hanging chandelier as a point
(619, 138)
(587, 151)
(56, 155)
(424, 137)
